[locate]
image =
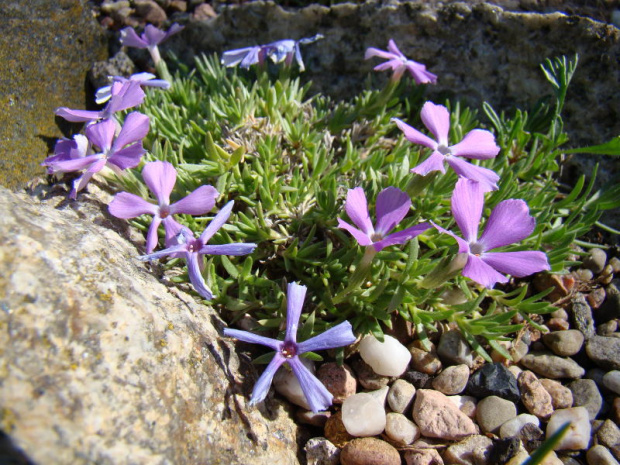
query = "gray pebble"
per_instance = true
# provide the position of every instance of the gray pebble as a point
(551, 366)
(400, 396)
(604, 351)
(581, 316)
(453, 349)
(608, 434)
(586, 394)
(319, 451)
(607, 329)
(596, 260)
(492, 412)
(600, 455)
(564, 343)
(611, 381)
(452, 380)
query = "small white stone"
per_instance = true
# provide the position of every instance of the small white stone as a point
(380, 394)
(577, 436)
(400, 429)
(512, 427)
(387, 358)
(286, 383)
(611, 381)
(363, 415)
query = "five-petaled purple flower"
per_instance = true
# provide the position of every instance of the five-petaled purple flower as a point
(279, 51)
(510, 222)
(191, 249)
(160, 177)
(399, 63)
(104, 93)
(149, 39)
(289, 350)
(123, 95)
(67, 149)
(117, 152)
(392, 206)
(478, 144)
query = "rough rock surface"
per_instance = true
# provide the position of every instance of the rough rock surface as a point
(46, 50)
(100, 361)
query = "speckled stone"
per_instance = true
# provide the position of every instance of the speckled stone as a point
(367, 377)
(335, 431)
(564, 343)
(400, 429)
(424, 361)
(319, 451)
(400, 396)
(586, 394)
(604, 351)
(534, 396)
(453, 349)
(609, 434)
(581, 316)
(369, 451)
(600, 455)
(452, 380)
(474, 450)
(551, 366)
(561, 396)
(437, 417)
(422, 457)
(338, 379)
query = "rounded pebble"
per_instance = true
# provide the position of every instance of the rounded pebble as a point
(400, 396)
(609, 434)
(453, 349)
(335, 431)
(561, 396)
(452, 380)
(319, 451)
(513, 427)
(586, 394)
(492, 412)
(595, 261)
(564, 343)
(363, 415)
(611, 381)
(369, 451)
(551, 366)
(422, 457)
(534, 396)
(577, 436)
(338, 379)
(600, 455)
(400, 429)
(466, 404)
(604, 351)
(387, 358)
(438, 417)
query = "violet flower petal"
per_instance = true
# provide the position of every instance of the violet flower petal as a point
(356, 207)
(228, 249)
(129, 95)
(67, 166)
(415, 136)
(295, 295)
(375, 52)
(463, 244)
(129, 157)
(252, 338)
(362, 238)
(394, 49)
(135, 128)
(478, 144)
(195, 276)
(217, 222)
(172, 250)
(130, 38)
(151, 235)
(160, 177)
(234, 57)
(518, 264)
(437, 119)
(261, 388)
(198, 202)
(392, 206)
(401, 237)
(126, 205)
(467, 205)
(152, 35)
(102, 134)
(420, 74)
(81, 182)
(173, 228)
(317, 395)
(486, 177)
(510, 222)
(433, 163)
(481, 272)
(338, 336)
(78, 116)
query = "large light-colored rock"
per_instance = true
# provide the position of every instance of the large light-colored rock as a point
(102, 363)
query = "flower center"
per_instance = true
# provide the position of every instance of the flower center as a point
(476, 248)
(443, 149)
(194, 246)
(376, 237)
(289, 349)
(164, 211)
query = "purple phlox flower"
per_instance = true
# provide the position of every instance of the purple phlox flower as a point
(510, 222)
(67, 149)
(117, 152)
(160, 177)
(191, 249)
(124, 95)
(280, 51)
(399, 63)
(149, 39)
(145, 79)
(478, 144)
(289, 350)
(392, 206)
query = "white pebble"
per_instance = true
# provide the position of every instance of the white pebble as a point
(400, 429)
(363, 415)
(611, 381)
(387, 358)
(380, 394)
(286, 383)
(512, 427)
(577, 436)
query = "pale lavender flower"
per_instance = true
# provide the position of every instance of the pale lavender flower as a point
(160, 177)
(124, 95)
(149, 39)
(117, 152)
(399, 63)
(289, 350)
(68, 149)
(478, 144)
(191, 249)
(392, 206)
(280, 51)
(145, 79)
(510, 222)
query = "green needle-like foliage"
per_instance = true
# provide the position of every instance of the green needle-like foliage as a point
(287, 159)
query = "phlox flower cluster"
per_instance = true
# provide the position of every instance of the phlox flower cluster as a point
(107, 143)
